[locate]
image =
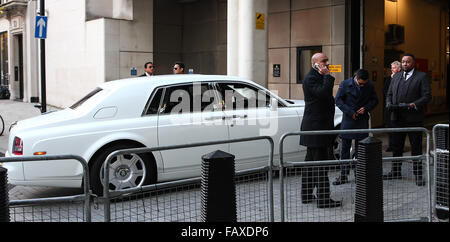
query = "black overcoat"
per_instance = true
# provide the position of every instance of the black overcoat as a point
(319, 109)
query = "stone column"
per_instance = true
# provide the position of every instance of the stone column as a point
(232, 37)
(247, 45)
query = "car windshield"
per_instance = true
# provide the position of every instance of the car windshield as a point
(85, 98)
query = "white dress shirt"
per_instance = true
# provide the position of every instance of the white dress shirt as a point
(409, 74)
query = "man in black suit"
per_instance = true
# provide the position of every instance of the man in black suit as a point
(319, 115)
(149, 69)
(411, 87)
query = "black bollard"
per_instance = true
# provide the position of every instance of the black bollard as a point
(369, 182)
(218, 188)
(4, 196)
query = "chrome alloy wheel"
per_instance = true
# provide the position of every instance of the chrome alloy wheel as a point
(125, 171)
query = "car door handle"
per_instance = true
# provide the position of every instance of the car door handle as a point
(240, 116)
(213, 118)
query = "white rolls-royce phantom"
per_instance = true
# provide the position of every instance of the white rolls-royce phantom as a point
(153, 112)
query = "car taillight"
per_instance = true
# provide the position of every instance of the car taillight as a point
(17, 146)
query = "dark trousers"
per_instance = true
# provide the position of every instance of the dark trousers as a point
(315, 176)
(390, 137)
(345, 154)
(398, 143)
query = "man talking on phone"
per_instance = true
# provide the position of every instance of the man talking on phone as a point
(319, 115)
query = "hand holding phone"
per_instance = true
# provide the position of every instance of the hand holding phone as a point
(321, 69)
(316, 66)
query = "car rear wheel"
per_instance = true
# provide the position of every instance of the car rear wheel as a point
(125, 171)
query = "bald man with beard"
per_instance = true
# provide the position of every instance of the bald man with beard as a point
(319, 115)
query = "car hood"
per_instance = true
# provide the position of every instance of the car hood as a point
(47, 120)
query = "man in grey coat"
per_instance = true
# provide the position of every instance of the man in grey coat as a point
(409, 89)
(319, 115)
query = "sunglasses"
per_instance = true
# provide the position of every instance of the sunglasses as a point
(175, 68)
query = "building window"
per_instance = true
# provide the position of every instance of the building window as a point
(304, 55)
(4, 59)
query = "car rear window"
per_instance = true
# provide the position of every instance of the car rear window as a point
(85, 98)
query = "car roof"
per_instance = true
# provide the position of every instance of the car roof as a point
(160, 80)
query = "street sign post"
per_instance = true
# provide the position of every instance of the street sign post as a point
(41, 34)
(41, 27)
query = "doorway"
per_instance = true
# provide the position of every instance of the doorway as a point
(4, 73)
(18, 65)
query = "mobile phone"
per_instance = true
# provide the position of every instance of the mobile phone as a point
(316, 66)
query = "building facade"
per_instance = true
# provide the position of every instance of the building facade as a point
(268, 41)
(19, 66)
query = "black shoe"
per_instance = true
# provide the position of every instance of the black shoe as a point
(328, 203)
(340, 180)
(389, 149)
(307, 199)
(392, 176)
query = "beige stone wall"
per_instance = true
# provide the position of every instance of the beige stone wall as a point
(74, 52)
(302, 23)
(81, 54)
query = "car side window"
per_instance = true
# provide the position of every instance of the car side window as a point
(193, 97)
(243, 96)
(153, 107)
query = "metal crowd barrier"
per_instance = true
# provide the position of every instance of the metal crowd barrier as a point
(188, 200)
(180, 201)
(401, 195)
(441, 159)
(42, 209)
